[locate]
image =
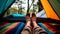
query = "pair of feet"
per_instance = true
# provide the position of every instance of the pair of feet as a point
(36, 29)
(33, 18)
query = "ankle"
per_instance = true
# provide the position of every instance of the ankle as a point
(28, 23)
(34, 21)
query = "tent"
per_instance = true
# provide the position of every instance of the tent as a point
(17, 24)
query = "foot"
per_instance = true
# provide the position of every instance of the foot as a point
(34, 20)
(28, 17)
(28, 22)
(33, 17)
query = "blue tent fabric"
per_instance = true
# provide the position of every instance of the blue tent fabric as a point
(46, 29)
(18, 15)
(20, 28)
(4, 4)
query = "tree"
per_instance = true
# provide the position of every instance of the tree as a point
(40, 7)
(19, 4)
(28, 7)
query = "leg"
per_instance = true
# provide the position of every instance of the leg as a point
(37, 29)
(34, 20)
(27, 29)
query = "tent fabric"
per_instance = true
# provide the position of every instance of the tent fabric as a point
(15, 29)
(41, 14)
(20, 28)
(12, 28)
(4, 4)
(4, 23)
(1, 27)
(49, 10)
(46, 29)
(2, 30)
(56, 6)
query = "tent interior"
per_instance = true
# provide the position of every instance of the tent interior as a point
(13, 15)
